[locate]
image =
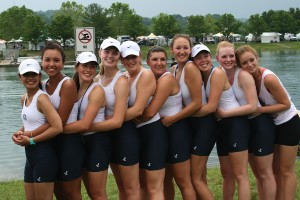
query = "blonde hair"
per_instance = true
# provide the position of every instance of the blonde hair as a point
(222, 45)
(241, 50)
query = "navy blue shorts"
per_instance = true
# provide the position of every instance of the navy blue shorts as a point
(41, 163)
(126, 145)
(154, 146)
(262, 135)
(204, 134)
(233, 135)
(70, 151)
(179, 142)
(288, 133)
(98, 148)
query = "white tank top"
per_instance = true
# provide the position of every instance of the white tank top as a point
(227, 99)
(55, 98)
(185, 93)
(32, 118)
(83, 103)
(132, 98)
(172, 105)
(239, 92)
(268, 99)
(110, 94)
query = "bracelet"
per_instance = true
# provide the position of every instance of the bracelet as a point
(31, 141)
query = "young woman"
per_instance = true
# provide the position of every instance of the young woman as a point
(189, 78)
(125, 159)
(41, 160)
(261, 125)
(167, 101)
(153, 136)
(220, 95)
(69, 147)
(91, 105)
(232, 144)
(277, 102)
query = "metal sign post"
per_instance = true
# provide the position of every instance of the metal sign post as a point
(84, 40)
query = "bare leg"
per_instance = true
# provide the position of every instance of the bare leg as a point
(228, 178)
(198, 174)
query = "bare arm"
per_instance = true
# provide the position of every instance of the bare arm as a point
(146, 86)
(115, 121)
(193, 80)
(273, 85)
(217, 84)
(96, 101)
(163, 90)
(247, 84)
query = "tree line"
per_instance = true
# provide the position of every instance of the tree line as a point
(120, 19)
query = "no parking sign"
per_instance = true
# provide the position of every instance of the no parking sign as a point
(84, 39)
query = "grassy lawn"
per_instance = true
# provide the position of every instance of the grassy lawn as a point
(70, 53)
(13, 190)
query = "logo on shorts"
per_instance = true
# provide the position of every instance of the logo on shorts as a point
(124, 159)
(234, 145)
(66, 173)
(149, 164)
(98, 165)
(176, 155)
(260, 150)
(39, 179)
(195, 148)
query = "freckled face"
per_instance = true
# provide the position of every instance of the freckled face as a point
(226, 57)
(248, 62)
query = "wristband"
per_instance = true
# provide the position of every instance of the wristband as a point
(31, 141)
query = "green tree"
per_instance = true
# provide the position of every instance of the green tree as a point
(211, 22)
(12, 22)
(62, 28)
(135, 21)
(73, 10)
(295, 12)
(228, 24)
(34, 29)
(165, 25)
(97, 17)
(119, 13)
(282, 22)
(197, 26)
(256, 25)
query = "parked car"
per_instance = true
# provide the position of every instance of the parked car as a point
(294, 38)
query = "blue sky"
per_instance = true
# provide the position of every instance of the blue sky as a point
(151, 8)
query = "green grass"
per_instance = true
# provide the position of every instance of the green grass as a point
(70, 53)
(13, 190)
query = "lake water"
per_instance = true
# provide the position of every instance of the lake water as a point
(286, 64)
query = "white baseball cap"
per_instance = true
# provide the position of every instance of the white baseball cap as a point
(110, 42)
(85, 57)
(29, 65)
(130, 48)
(199, 47)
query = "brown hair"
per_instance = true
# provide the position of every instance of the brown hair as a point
(156, 49)
(54, 46)
(181, 36)
(245, 48)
